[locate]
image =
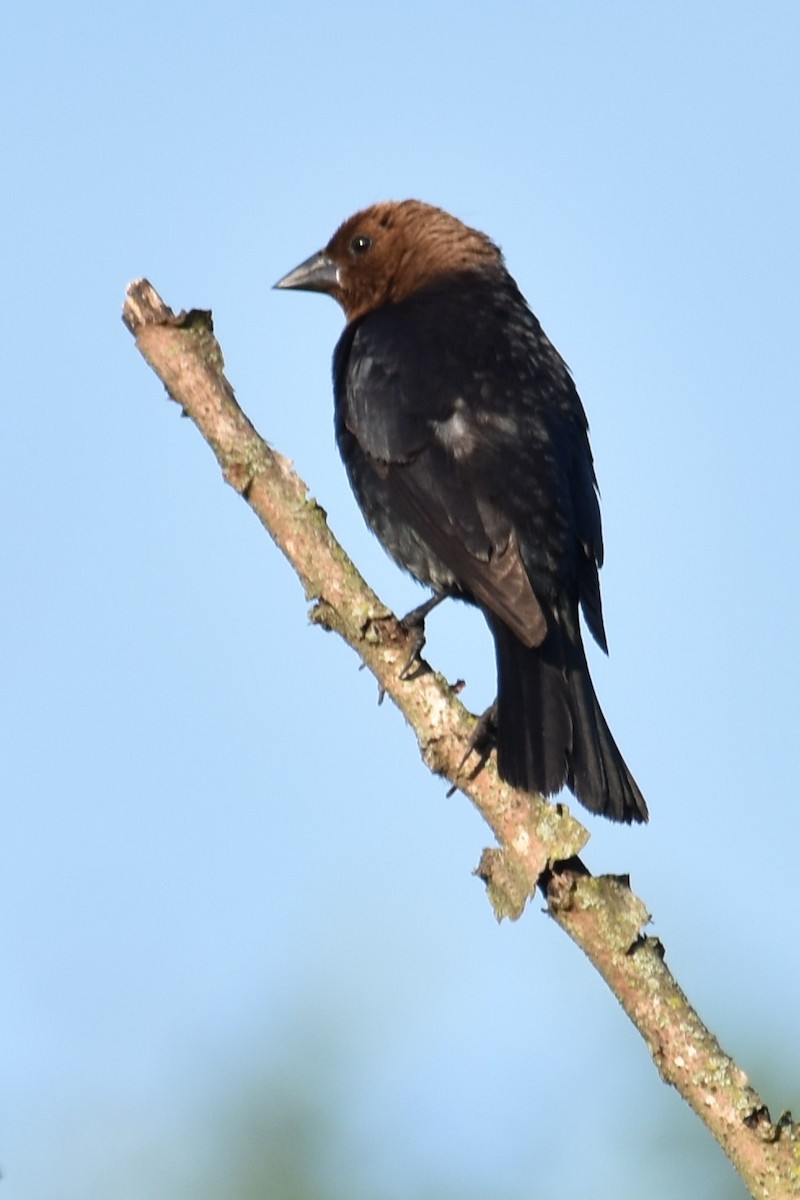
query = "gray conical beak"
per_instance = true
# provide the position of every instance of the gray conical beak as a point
(317, 274)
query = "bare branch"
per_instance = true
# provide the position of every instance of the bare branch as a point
(538, 842)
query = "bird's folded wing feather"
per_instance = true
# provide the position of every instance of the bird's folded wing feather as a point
(428, 450)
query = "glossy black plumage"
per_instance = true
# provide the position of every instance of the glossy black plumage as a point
(467, 448)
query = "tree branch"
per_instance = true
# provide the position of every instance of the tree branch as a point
(539, 842)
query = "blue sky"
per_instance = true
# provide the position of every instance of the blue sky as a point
(222, 863)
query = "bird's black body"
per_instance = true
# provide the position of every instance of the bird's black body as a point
(467, 448)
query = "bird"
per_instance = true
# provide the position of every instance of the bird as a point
(467, 447)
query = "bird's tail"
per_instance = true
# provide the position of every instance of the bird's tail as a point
(550, 728)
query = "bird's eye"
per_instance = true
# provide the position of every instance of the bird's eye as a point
(360, 243)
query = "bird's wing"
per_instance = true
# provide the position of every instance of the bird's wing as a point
(429, 455)
(471, 538)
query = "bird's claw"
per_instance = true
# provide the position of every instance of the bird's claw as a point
(414, 625)
(416, 641)
(482, 739)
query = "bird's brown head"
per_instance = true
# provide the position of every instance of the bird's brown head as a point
(389, 251)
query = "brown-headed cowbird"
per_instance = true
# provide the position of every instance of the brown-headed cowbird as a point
(467, 448)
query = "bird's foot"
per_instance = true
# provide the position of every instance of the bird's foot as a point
(414, 625)
(481, 740)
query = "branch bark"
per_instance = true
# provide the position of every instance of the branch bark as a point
(538, 842)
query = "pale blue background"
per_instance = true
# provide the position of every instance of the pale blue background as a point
(222, 865)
